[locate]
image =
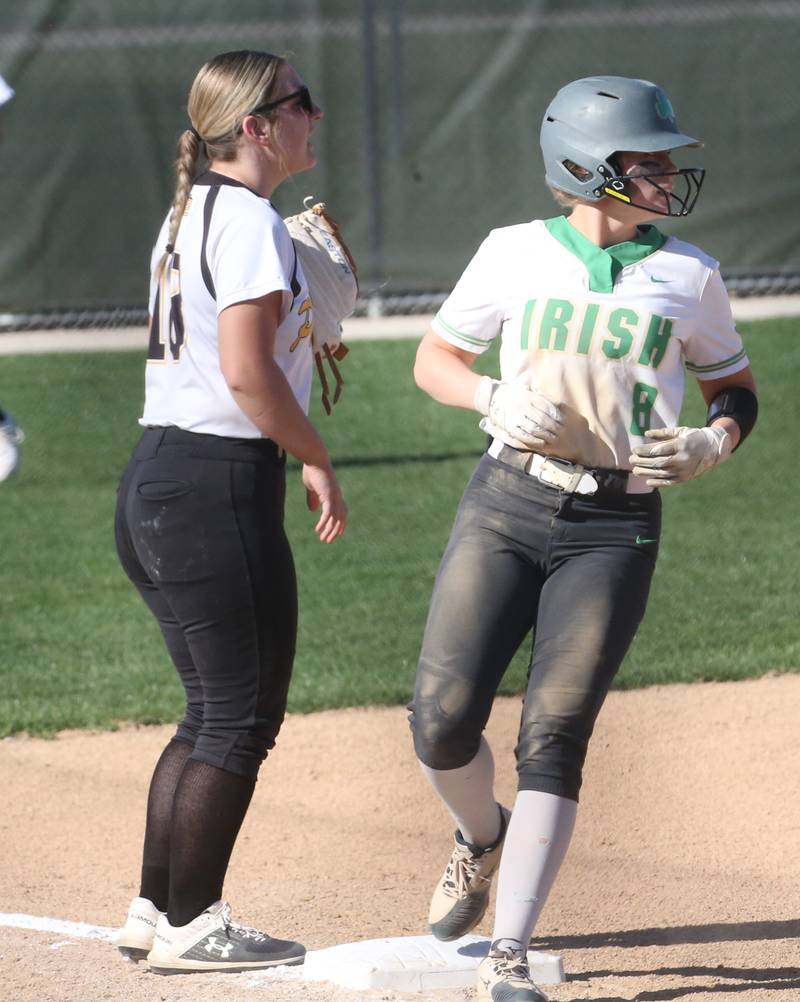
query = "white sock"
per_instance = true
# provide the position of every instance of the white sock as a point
(538, 835)
(468, 793)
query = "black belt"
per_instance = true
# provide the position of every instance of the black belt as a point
(200, 445)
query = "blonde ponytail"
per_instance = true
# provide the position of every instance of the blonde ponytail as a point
(225, 89)
(188, 155)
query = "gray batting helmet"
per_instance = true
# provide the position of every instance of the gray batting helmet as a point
(590, 120)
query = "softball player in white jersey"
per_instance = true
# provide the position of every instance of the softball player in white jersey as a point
(199, 524)
(599, 315)
(10, 435)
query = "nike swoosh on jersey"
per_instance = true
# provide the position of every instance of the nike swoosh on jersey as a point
(661, 281)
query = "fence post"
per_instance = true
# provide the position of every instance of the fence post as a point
(374, 157)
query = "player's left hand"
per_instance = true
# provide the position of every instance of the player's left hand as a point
(679, 454)
(324, 495)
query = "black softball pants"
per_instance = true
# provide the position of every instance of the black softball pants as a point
(199, 532)
(522, 555)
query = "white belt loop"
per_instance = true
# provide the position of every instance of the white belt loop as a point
(496, 447)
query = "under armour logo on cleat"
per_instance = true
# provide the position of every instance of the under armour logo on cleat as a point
(214, 944)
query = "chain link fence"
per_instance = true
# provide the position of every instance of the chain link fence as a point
(430, 135)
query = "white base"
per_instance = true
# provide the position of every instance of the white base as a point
(79, 930)
(414, 963)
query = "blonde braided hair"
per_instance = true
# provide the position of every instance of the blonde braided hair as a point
(225, 90)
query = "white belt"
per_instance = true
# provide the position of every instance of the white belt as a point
(569, 477)
(573, 478)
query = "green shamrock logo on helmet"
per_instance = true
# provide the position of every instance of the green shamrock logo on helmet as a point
(664, 107)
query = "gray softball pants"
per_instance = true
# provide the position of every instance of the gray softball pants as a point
(574, 568)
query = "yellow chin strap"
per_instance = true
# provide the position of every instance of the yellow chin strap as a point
(616, 194)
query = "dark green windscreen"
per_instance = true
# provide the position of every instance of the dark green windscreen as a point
(430, 135)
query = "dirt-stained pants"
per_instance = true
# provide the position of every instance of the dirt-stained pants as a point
(199, 531)
(523, 555)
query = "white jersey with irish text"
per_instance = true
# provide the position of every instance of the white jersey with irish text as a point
(232, 246)
(605, 334)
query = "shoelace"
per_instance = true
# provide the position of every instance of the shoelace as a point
(247, 933)
(244, 931)
(461, 871)
(512, 967)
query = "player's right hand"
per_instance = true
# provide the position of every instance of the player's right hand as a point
(323, 494)
(529, 417)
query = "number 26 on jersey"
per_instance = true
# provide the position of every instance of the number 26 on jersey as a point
(167, 332)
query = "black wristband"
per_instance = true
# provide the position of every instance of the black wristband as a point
(739, 403)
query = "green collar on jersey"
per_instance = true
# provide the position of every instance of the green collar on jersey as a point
(605, 263)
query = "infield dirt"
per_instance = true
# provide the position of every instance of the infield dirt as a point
(682, 882)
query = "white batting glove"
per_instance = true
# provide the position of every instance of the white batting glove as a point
(529, 419)
(680, 454)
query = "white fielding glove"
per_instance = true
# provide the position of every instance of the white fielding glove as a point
(680, 454)
(529, 419)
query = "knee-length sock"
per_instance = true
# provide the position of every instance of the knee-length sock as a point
(468, 793)
(155, 854)
(209, 807)
(538, 836)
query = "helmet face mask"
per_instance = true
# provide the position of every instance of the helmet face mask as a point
(664, 201)
(590, 121)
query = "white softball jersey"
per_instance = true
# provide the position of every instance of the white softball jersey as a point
(607, 334)
(232, 246)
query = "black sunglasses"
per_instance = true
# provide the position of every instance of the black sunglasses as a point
(303, 99)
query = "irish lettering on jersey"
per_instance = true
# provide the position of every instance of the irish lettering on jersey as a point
(606, 333)
(561, 325)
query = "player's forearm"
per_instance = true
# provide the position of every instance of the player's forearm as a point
(732, 404)
(731, 427)
(265, 396)
(444, 375)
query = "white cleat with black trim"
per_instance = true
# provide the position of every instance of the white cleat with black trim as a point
(462, 895)
(135, 939)
(212, 942)
(504, 976)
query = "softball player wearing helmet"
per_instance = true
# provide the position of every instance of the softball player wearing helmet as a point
(598, 316)
(10, 435)
(199, 523)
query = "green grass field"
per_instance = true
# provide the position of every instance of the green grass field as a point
(78, 648)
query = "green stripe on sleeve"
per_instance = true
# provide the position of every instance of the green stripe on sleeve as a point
(716, 366)
(480, 342)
